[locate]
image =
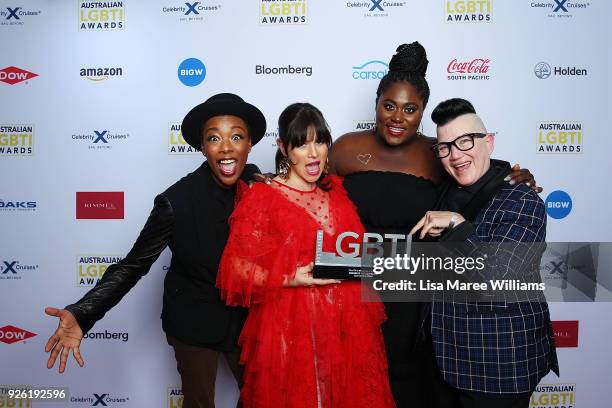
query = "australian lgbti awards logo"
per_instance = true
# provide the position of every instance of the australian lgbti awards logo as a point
(373, 69)
(101, 73)
(375, 8)
(476, 69)
(16, 139)
(15, 269)
(176, 144)
(13, 75)
(561, 8)
(361, 125)
(12, 334)
(17, 16)
(559, 137)
(553, 396)
(175, 397)
(99, 205)
(283, 12)
(468, 11)
(91, 268)
(100, 139)
(566, 333)
(101, 15)
(191, 11)
(558, 204)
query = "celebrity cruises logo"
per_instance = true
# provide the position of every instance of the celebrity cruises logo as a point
(17, 16)
(14, 269)
(13, 75)
(100, 139)
(283, 12)
(190, 11)
(16, 139)
(99, 205)
(375, 8)
(468, 11)
(477, 69)
(101, 15)
(561, 8)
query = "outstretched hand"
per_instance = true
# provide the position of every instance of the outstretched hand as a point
(303, 277)
(67, 337)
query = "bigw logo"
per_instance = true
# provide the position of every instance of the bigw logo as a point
(14, 75)
(12, 334)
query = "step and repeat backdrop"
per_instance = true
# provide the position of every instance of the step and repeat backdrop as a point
(93, 94)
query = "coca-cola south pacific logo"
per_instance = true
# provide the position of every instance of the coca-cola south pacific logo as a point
(477, 69)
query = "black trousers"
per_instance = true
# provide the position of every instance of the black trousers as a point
(442, 395)
(198, 369)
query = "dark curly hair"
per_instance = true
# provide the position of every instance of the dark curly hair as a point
(408, 64)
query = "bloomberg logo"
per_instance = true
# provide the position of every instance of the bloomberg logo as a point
(558, 204)
(191, 72)
(374, 69)
(543, 70)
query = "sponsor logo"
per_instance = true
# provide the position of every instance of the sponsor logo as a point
(566, 333)
(99, 205)
(190, 11)
(375, 8)
(100, 74)
(374, 69)
(16, 16)
(6, 401)
(561, 8)
(558, 204)
(100, 400)
(553, 396)
(283, 12)
(543, 70)
(175, 397)
(559, 137)
(91, 268)
(106, 335)
(176, 144)
(16, 139)
(191, 72)
(101, 15)
(286, 70)
(100, 139)
(12, 270)
(13, 75)
(17, 205)
(467, 11)
(359, 125)
(474, 70)
(11, 334)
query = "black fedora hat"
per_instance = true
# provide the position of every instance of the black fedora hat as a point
(218, 105)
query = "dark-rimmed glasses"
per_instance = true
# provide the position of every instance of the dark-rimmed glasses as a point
(463, 143)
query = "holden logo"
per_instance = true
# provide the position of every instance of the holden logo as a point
(14, 75)
(12, 334)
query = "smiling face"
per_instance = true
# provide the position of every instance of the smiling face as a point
(307, 161)
(398, 113)
(466, 167)
(226, 144)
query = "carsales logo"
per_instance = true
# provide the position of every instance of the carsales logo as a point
(12, 334)
(13, 75)
(476, 69)
(99, 205)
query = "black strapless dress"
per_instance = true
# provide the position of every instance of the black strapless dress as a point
(393, 202)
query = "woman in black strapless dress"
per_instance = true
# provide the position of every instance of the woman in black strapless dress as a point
(391, 175)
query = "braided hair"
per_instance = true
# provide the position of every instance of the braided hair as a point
(408, 64)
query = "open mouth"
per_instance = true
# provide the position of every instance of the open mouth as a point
(228, 167)
(395, 131)
(313, 169)
(459, 168)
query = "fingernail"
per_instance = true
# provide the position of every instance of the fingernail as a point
(507, 178)
(512, 182)
(528, 183)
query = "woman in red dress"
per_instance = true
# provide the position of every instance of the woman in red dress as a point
(307, 342)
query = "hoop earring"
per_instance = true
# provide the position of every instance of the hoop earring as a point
(283, 168)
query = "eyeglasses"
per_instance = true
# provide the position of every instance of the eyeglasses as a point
(463, 143)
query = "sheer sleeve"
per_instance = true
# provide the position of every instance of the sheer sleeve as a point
(262, 250)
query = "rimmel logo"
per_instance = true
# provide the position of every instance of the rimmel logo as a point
(99, 205)
(14, 75)
(11, 334)
(566, 333)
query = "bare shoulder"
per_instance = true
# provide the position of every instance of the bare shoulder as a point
(350, 140)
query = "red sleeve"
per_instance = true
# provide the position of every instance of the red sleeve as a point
(262, 249)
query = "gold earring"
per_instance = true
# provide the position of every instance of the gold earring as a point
(283, 168)
(326, 168)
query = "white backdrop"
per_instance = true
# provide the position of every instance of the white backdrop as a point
(48, 113)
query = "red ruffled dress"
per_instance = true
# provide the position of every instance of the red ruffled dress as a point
(309, 346)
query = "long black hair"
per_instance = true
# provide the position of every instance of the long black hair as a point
(293, 124)
(409, 64)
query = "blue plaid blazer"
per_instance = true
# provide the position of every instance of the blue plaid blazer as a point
(497, 347)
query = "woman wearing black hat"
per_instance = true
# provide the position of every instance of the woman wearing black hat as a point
(191, 217)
